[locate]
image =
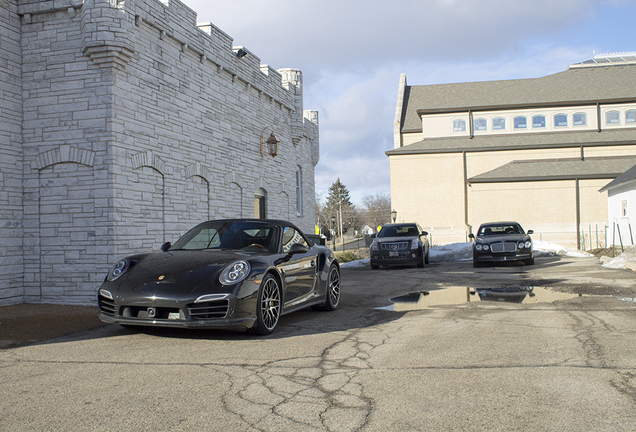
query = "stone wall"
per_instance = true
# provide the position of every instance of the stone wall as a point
(139, 124)
(11, 258)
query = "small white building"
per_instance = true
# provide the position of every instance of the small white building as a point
(621, 208)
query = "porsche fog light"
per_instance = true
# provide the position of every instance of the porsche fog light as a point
(118, 270)
(105, 293)
(235, 273)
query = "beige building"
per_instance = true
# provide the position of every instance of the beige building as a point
(532, 150)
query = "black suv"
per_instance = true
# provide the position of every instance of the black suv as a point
(400, 244)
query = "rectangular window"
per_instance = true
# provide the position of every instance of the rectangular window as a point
(259, 207)
(624, 208)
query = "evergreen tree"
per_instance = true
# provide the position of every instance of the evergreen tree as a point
(340, 207)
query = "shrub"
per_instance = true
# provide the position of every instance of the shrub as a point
(346, 256)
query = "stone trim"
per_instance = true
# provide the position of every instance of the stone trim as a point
(196, 169)
(63, 154)
(149, 159)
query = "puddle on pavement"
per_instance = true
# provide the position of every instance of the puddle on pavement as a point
(453, 296)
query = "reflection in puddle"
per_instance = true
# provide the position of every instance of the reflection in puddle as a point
(462, 295)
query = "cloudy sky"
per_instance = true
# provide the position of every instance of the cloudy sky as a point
(352, 53)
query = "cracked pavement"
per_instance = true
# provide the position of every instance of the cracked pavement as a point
(567, 365)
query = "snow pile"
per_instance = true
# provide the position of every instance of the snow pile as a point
(542, 249)
(356, 263)
(451, 252)
(624, 260)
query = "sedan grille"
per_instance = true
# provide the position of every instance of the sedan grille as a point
(107, 306)
(210, 309)
(395, 246)
(503, 247)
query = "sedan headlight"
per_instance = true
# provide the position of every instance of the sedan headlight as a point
(235, 273)
(528, 244)
(374, 246)
(415, 244)
(478, 247)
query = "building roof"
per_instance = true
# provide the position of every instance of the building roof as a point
(628, 175)
(556, 169)
(519, 141)
(578, 85)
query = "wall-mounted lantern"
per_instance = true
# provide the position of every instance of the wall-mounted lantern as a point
(270, 145)
(393, 215)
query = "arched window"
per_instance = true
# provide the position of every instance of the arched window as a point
(560, 120)
(481, 124)
(612, 118)
(630, 116)
(299, 191)
(499, 123)
(538, 121)
(459, 125)
(579, 119)
(520, 123)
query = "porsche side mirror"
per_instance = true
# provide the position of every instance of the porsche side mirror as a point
(297, 248)
(471, 236)
(530, 232)
(165, 246)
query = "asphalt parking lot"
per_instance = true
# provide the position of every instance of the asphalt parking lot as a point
(439, 358)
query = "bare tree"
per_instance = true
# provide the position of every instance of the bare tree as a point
(376, 210)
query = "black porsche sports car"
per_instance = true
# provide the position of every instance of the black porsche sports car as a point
(502, 242)
(236, 274)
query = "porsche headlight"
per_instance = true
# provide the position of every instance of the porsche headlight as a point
(118, 270)
(235, 273)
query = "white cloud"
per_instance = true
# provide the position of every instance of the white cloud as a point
(352, 53)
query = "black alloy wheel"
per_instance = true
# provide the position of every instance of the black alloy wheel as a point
(268, 306)
(333, 290)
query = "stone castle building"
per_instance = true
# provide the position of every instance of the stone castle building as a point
(123, 124)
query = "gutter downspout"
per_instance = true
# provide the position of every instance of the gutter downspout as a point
(470, 125)
(578, 214)
(598, 117)
(466, 193)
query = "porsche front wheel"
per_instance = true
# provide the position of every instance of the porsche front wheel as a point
(268, 306)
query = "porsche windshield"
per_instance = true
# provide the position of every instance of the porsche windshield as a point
(246, 236)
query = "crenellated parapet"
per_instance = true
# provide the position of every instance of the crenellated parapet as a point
(109, 31)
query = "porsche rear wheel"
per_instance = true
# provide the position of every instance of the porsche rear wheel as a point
(332, 297)
(268, 306)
